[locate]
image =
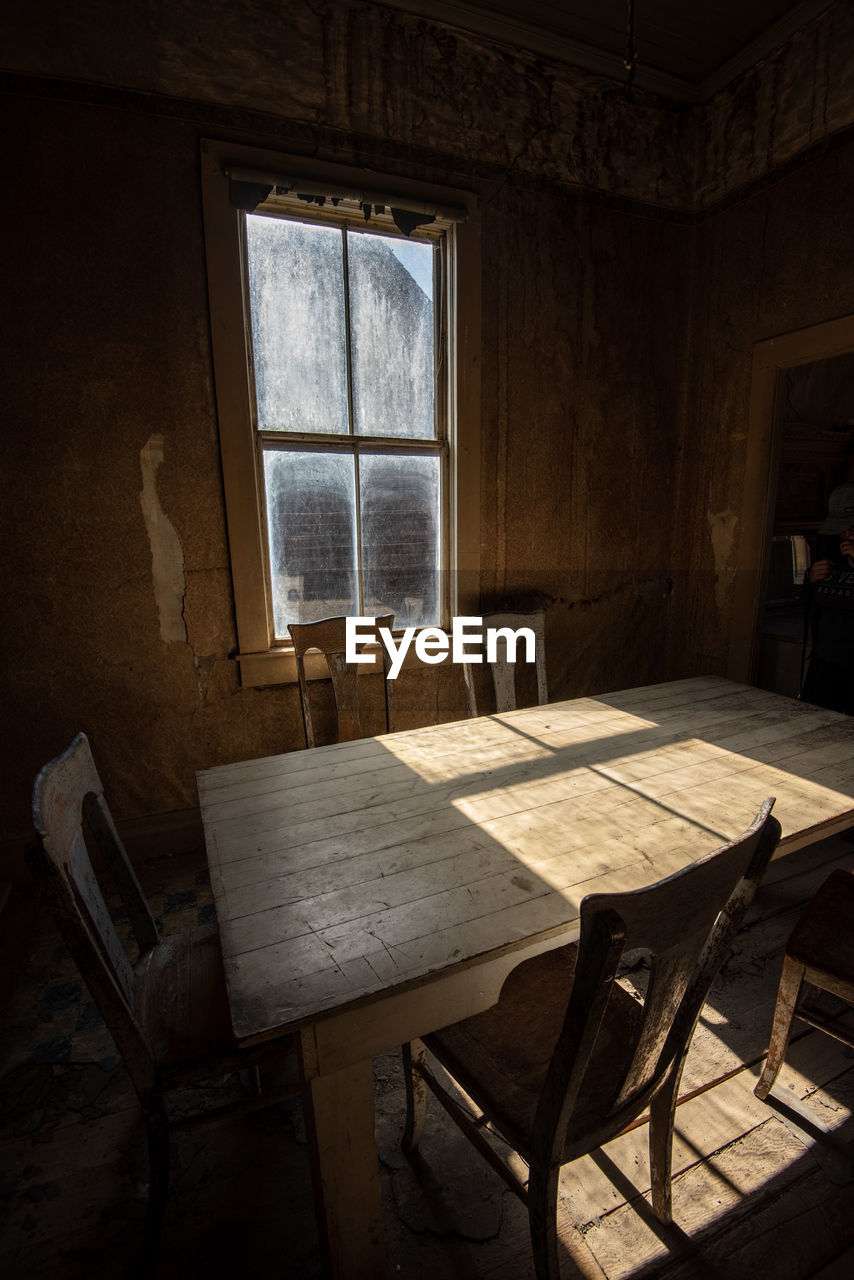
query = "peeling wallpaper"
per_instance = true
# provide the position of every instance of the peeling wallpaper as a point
(167, 557)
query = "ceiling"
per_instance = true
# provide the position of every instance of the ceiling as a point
(686, 49)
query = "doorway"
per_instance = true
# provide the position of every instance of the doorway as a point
(775, 381)
(815, 453)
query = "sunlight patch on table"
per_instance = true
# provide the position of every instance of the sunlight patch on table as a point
(512, 737)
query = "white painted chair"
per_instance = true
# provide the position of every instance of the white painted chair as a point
(167, 1008)
(329, 637)
(503, 671)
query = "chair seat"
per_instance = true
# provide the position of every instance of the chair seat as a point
(501, 1057)
(823, 939)
(181, 999)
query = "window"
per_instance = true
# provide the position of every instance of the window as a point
(347, 395)
(347, 359)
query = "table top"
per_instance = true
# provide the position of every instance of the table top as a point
(365, 867)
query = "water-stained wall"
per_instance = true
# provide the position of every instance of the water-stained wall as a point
(615, 367)
(584, 353)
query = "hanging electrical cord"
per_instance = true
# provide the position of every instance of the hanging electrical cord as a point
(631, 58)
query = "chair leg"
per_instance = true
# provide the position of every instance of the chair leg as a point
(784, 1012)
(157, 1128)
(542, 1216)
(416, 1095)
(662, 1113)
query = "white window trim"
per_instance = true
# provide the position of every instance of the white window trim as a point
(262, 661)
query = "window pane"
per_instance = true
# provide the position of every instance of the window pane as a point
(391, 325)
(311, 507)
(400, 537)
(296, 298)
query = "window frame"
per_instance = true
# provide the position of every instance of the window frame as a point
(359, 444)
(263, 659)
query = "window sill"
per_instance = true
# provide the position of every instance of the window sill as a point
(279, 666)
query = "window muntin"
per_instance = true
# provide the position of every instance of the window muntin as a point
(347, 347)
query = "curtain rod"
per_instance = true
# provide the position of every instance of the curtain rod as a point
(313, 187)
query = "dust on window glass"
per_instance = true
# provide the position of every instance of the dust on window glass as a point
(343, 345)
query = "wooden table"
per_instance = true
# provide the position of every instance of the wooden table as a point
(371, 891)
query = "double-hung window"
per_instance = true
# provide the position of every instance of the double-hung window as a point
(347, 347)
(338, 352)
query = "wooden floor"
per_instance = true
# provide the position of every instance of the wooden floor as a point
(759, 1189)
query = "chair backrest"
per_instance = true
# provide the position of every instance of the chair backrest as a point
(329, 636)
(686, 923)
(67, 793)
(504, 671)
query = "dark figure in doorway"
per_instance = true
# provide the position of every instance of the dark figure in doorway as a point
(830, 678)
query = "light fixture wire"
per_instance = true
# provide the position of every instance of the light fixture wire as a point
(631, 58)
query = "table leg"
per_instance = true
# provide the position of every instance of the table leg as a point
(345, 1170)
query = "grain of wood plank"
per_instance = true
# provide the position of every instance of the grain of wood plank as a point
(708, 1199)
(795, 1218)
(310, 882)
(705, 1124)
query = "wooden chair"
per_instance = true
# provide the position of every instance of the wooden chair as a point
(569, 1056)
(504, 672)
(168, 1010)
(329, 636)
(819, 956)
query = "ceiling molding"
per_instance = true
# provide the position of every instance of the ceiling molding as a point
(524, 35)
(766, 43)
(520, 34)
